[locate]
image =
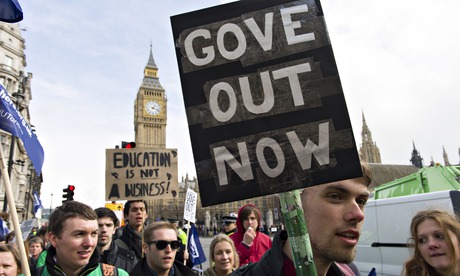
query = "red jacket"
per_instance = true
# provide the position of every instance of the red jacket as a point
(260, 244)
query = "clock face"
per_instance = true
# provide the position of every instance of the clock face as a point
(153, 108)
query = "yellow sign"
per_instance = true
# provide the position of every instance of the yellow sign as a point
(117, 208)
(141, 173)
(114, 206)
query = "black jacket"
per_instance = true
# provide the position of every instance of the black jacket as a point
(131, 240)
(271, 263)
(142, 268)
(119, 257)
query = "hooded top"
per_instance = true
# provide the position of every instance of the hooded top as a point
(260, 244)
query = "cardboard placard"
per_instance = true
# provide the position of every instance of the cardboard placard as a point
(141, 174)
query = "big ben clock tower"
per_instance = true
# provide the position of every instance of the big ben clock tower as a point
(150, 109)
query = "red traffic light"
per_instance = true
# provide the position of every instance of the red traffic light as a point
(68, 193)
(128, 145)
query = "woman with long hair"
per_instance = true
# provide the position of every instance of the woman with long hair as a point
(224, 258)
(436, 238)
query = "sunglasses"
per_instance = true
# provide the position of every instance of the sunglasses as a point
(161, 245)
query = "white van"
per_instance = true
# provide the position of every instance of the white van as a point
(383, 243)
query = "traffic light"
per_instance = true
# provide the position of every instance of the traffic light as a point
(68, 193)
(128, 145)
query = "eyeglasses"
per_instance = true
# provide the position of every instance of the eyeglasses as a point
(161, 245)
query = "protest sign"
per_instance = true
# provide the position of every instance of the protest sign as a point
(117, 208)
(190, 205)
(263, 99)
(141, 174)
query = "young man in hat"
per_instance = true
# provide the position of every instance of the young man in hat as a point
(181, 255)
(230, 224)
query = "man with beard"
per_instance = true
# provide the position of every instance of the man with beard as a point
(109, 251)
(334, 214)
(135, 212)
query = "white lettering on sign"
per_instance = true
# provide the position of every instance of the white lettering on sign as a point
(303, 153)
(265, 39)
(238, 33)
(290, 26)
(290, 72)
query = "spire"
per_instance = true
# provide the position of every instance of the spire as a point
(446, 158)
(369, 150)
(151, 63)
(151, 80)
(416, 159)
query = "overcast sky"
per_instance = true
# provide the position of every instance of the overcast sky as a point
(398, 63)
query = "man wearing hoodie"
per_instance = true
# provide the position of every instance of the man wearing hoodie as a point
(250, 244)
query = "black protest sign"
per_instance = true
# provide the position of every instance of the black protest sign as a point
(141, 174)
(263, 98)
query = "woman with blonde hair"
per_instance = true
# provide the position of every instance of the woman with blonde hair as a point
(436, 238)
(224, 258)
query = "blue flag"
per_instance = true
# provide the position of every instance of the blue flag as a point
(194, 247)
(372, 273)
(11, 121)
(37, 203)
(10, 11)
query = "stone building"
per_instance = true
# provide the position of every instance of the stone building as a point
(17, 81)
(150, 120)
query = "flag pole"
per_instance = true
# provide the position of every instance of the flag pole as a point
(186, 244)
(14, 215)
(299, 239)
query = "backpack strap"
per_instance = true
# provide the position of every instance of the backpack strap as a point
(109, 270)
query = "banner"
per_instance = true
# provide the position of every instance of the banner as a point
(141, 173)
(11, 121)
(194, 246)
(263, 98)
(38, 207)
(10, 11)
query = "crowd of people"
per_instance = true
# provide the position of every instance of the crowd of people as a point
(83, 241)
